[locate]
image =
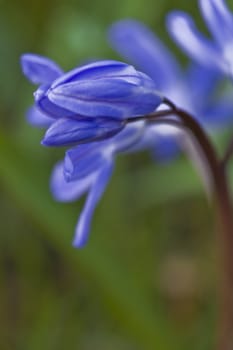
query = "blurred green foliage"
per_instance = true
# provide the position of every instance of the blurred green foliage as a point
(147, 278)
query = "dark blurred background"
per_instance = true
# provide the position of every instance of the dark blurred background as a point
(147, 278)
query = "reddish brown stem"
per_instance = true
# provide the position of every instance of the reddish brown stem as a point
(223, 211)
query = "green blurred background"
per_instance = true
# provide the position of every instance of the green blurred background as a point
(147, 278)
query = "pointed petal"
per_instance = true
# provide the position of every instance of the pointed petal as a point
(64, 191)
(39, 69)
(182, 29)
(67, 131)
(98, 187)
(95, 70)
(140, 46)
(37, 118)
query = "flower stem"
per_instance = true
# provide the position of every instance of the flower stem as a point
(221, 194)
(225, 232)
(225, 239)
(228, 153)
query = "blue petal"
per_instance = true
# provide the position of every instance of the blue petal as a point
(219, 20)
(201, 82)
(39, 69)
(129, 138)
(114, 97)
(165, 148)
(49, 108)
(65, 131)
(139, 45)
(96, 70)
(94, 195)
(83, 160)
(219, 114)
(184, 32)
(37, 118)
(64, 191)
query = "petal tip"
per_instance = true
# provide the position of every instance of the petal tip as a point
(79, 243)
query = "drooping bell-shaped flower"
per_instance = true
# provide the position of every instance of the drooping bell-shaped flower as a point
(104, 88)
(88, 103)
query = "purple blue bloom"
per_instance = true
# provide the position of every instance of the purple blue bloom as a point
(193, 88)
(88, 109)
(216, 53)
(88, 104)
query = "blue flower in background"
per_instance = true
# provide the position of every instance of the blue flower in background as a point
(216, 53)
(193, 89)
(90, 103)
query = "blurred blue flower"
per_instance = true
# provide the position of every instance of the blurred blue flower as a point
(217, 53)
(90, 103)
(193, 89)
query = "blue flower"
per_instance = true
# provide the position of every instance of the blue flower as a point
(217, 53)
(136, 43)
(88, 104)
(193, 89)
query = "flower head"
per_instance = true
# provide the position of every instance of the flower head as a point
(99, 89)
(88, 104)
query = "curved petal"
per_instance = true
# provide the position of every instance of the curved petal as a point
(39, 69)
(49, 108)
(139, 45)
(37, 118)
(113, 97)
(83, 160)
(97, 189)
(218, 19)
(64, 191)
(67, 131)
(182, 29)
(96, 70)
